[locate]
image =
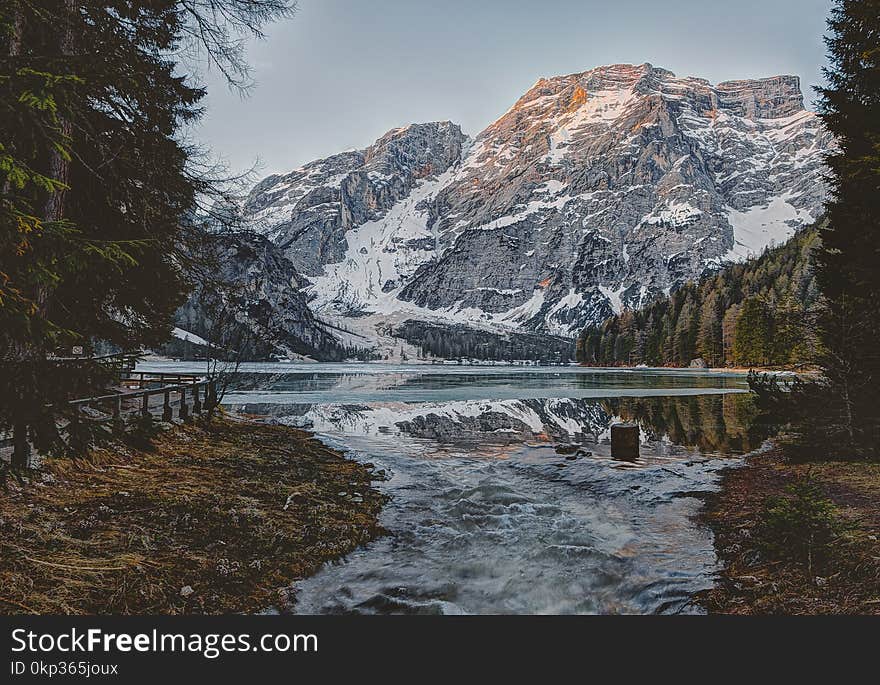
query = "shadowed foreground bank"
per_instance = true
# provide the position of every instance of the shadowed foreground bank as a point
(214, 520)
(796, 538)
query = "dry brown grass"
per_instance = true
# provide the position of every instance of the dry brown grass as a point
(235, 510)
(849, 580)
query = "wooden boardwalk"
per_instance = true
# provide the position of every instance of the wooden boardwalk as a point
(167, 397)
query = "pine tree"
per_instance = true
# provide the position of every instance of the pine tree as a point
(626, 341)
(791, 341)
(753, 339)
(97, 186)
(686, 331)
(700, 319)
(709, 334)
(728, 333)
(847, 264)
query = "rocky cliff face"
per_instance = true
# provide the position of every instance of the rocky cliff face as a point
(594, 192)
(264, 297)
(309, 211)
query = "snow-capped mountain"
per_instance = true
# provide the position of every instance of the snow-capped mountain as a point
(594, 192)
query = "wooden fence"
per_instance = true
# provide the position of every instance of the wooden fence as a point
(190, 394)
(180, 387)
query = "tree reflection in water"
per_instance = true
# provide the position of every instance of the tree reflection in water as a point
(710, 423)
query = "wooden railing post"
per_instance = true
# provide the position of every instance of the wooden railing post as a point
(21, 449)
(145, 403)
(166, 407)
(197, 403)
(73, 426)
(184, 409)
(210, 396)
(117, 413)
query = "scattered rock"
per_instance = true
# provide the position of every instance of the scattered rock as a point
(300, 422)
(489, 426)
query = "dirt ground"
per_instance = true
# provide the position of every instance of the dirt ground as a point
(212, 520)
(846, 582)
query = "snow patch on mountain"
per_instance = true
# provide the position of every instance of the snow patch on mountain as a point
(759, 228)
(186, 336)
(380, 255)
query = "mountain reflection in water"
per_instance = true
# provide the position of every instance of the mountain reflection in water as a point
(504, 497)
(708, 424)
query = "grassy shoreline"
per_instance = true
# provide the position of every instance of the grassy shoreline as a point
(213, 519)
(841, 578)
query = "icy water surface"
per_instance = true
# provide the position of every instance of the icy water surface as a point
(487, 515)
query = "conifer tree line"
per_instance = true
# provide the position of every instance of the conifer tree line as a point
(461, 342)
(759, 313)
(839, 414)
(98, 188)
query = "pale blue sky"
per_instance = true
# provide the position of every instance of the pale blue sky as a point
(342, 72)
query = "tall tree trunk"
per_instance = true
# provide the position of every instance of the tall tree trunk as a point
(20, 446)
(15, 38)
(59, 166)
(29, 353)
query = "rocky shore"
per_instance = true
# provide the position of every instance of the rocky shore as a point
(208, 520)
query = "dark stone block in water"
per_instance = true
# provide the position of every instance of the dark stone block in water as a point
(625, 441)
(567, 449)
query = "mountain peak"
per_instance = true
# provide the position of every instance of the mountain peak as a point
(595, 192)
(765, 98)
(430, 147)
(761, 98)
